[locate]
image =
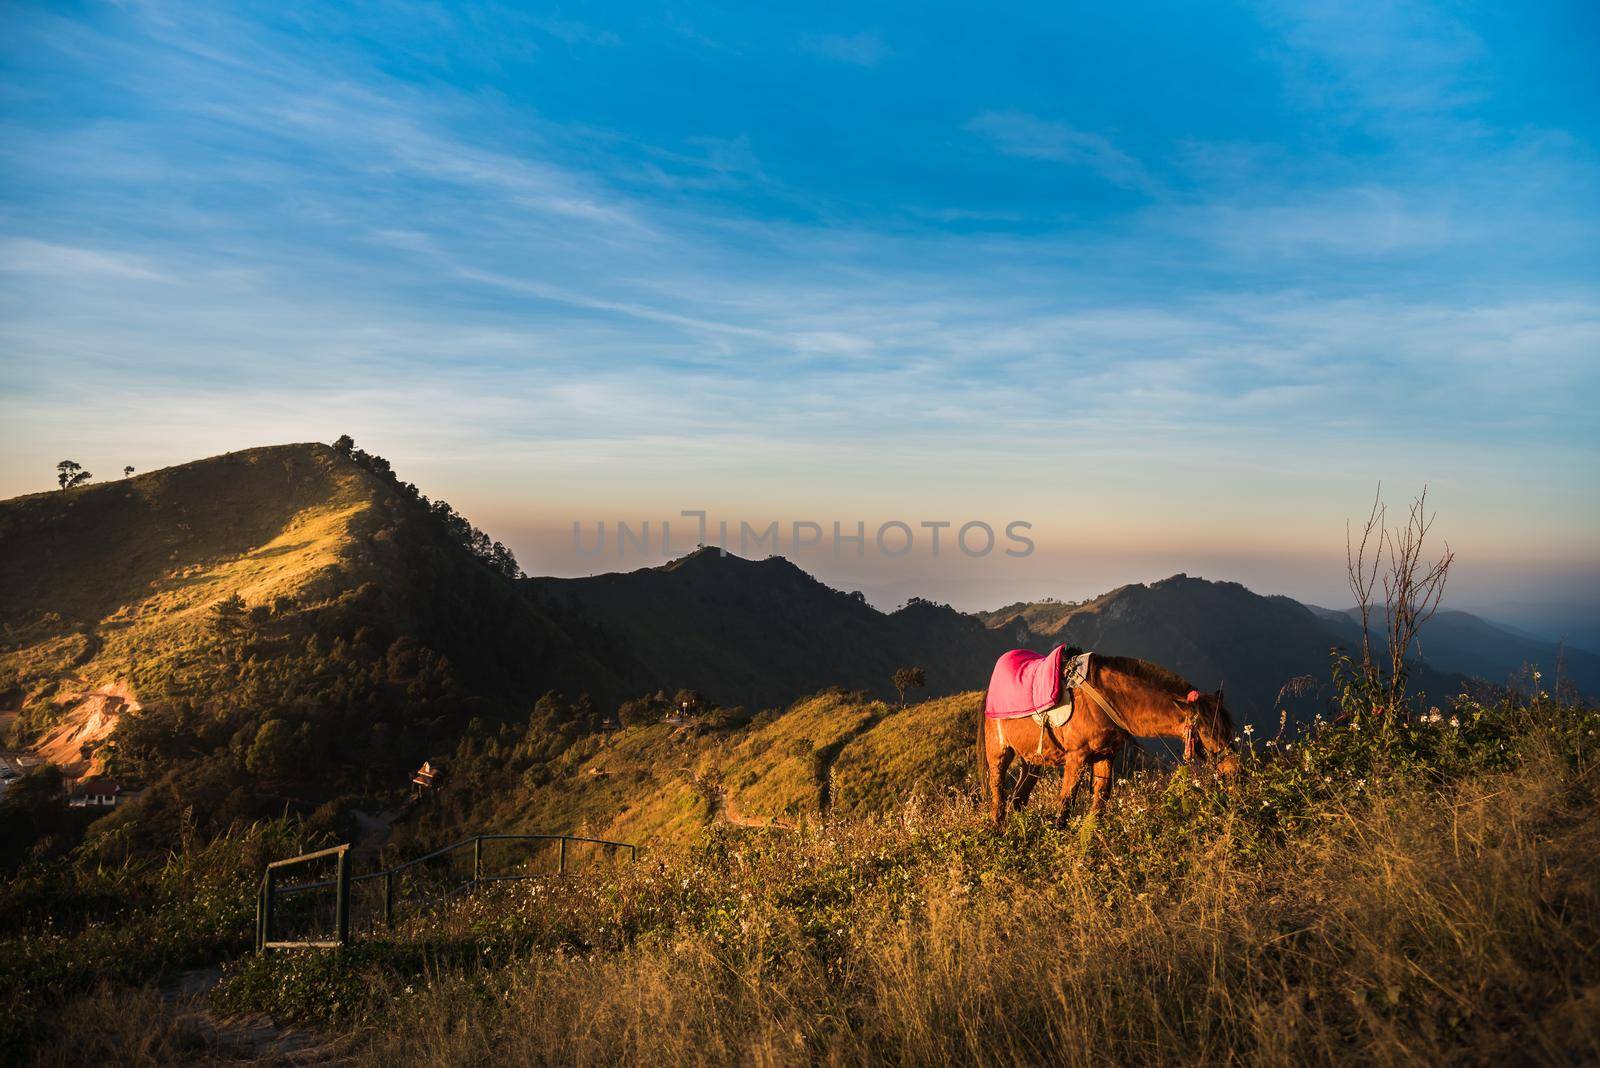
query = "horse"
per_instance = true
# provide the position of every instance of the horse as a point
(1120, 699)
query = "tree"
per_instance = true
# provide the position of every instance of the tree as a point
(274, 750)
(70, 473)
(126, 471)
(637, 712)
(32, 808)
(344, 445)
(909, 678)
(688, 702)
(228, 618)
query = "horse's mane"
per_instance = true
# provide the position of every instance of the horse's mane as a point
(1171, 681)
(1154, 674)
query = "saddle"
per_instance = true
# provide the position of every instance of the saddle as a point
(1038, 685)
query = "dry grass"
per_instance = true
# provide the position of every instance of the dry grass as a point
(652, 783)
(1438, 926)
(145, 1028)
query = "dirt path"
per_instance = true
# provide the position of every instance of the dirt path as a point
(372, 834)
(723, 811)
(243, 1040)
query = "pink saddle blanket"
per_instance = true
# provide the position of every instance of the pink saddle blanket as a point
(1024, 682)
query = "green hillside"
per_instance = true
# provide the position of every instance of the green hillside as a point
(112, 583)
(277, 626)
(664, 782)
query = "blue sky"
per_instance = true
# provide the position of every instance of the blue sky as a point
(1175, 283)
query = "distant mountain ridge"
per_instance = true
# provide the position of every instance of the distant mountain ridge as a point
(762, 633)
(1217, 634)
(1471, 645)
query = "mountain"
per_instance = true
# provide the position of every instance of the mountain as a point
(1217, 634)
(762, 633)
(276, 624)
(119, 578)
(1471, 645)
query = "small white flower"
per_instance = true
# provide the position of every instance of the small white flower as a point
(1249, 729)
(1454, 722)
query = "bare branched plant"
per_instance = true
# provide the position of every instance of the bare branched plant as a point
(1412, 589)
(1361, 571)
(1396, 558)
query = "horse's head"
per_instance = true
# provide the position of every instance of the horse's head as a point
(1214, 729)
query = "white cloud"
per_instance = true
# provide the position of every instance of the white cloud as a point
(1018, 133)
(27, 256)
(861, 49)
(1363, 221)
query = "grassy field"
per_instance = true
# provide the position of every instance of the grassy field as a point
(668, 783)
(1426, 892)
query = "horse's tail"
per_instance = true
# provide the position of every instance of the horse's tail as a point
(983, 751)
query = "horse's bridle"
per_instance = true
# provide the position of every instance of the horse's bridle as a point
(1189, 706)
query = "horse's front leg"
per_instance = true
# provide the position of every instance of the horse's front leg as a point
(1102, 784)
(1071, 768)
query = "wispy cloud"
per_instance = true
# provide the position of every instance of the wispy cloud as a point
(1018, 133)
(576, 32)
(1400, 60)
(862, 49)
(39, 257)
(1366, 222)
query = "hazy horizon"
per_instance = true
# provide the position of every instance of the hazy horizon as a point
(1554, 600)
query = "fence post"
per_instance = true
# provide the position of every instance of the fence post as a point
(261, 900)
(633, 854)
(561, 857)
(266, 907)
(342, 895)
(477, 858)
(388, 898)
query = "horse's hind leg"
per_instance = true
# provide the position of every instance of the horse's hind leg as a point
(1000, 757)
(1071, 769)
(1025, 784)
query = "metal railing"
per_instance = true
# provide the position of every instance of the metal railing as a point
(271, 894)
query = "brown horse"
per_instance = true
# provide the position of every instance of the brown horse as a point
(1122, 698)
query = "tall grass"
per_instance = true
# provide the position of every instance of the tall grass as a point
(82, 935)
(1426, 893)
